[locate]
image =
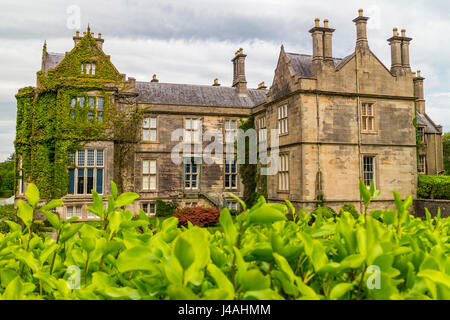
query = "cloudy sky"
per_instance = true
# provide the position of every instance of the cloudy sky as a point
(193, 41)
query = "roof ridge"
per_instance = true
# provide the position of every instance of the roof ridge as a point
(194, 85)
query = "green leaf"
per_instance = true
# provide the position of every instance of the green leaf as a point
(137, 258)
(70, 231)
(25, 212)
(243, 205)
(340, 290)
(183, 251)
(364, 192)
(398, 201)
(229, 229)
(14, 290)
(436, 277)
(114, 191)
(32, 195)
(53, 219)
(125, 199)
(221, 281)
(52, 205)
(88, 244)
(255, 280)
(266, 215)
(266, 294)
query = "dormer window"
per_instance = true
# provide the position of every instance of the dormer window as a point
(88, 68)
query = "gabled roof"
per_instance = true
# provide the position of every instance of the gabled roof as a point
(424, 120)
(197, 95)
(301, 63)
(52, 60)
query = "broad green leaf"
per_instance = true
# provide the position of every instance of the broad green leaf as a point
(266, 215)
(364, 192)
(137, 258)
(32, 194)
(125, 199)
(254, 280)
(183, 251)
(53, 218)
(114, 191)
(222, 281)
(340, 290)
(266, 294)
(228, 227)
(25, 212)
(53, 204)
(242, 203)
(14, 290)
(436, 276)
(69, 231)
(398, 201)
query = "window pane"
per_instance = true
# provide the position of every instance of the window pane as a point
(153, 135)
(194, 168)
(146, 123)
(152, 182)
(81, 101)
(100, 158)
(71, 181)
(100, 116)
(78, 212)
(194, 124)
(73, 102)
(145, 184)
(90, 158)
(93, 68)
(145, 135)
(69, 213)
(100, 103)
(188, 123)
(80, 187)
(153, 123)
(152, 208)
(90, 181)
(145, 167)
(92, 102)
(227, 181)
(153, 166)
(100, 181)
(145, 207)
(81, 155)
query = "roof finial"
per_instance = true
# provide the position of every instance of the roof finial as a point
(45, 46)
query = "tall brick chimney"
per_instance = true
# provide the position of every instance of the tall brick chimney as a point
(396, 53)
(239, 80)
(361, 31)
(419, 92)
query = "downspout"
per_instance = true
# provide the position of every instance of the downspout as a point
(358, 109)
(319, 173)
(436, 155)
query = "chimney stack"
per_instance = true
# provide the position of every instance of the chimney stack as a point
(419, 92)
(396, 53)
(328, 44)
(405, 52)
(361, 31)
(77, 38)
(239, 80)
(317, 37)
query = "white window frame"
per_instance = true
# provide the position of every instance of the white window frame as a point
(191, 174)
(149, 174)
(262, 130)
(283, 119)
(231, 175)
(151, 208)
(149, 128)
(283, 172)
(368, 117)
(192, 133)
(369, 170)
(422, 167)
(230, 130)
(84, 166)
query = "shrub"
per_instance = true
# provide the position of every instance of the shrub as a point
(165, 208)
(199, 216)
(433, 187)
(351, 209)
(7, 213)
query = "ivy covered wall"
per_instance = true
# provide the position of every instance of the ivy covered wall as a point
(49, 126)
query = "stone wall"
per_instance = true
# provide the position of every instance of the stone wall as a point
(432, 206)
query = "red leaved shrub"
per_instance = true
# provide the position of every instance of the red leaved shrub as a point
(199, 216)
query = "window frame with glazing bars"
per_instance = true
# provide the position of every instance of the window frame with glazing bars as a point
(95, 170)
(149, 175)
(366, 172)
(231, 176)
(149, 126)
(198, 166)
(368, 117)
(283, 173)
(282, 119)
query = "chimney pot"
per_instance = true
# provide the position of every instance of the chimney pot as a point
(317, 21)
(403, 33)
(261, 85)
(84, 33)
(360, 12)
(418, 74)
(78, 33)
(216, 83)
(325, 23)
(99, 35)
(395, 32)
(154, 78)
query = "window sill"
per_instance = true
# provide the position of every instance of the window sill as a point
(149, 142)
(369, 132)
(283, 191)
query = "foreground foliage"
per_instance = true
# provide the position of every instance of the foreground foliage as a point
(257, 255)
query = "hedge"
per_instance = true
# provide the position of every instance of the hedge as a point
(433, 187)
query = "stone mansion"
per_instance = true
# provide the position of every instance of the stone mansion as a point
(339, 120)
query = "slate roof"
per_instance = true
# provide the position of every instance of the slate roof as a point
(52, 60)
(301, 63)
(424, 120)
(197, 95)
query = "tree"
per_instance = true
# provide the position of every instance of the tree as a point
(446, 147)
